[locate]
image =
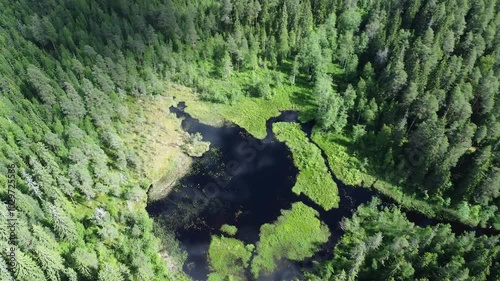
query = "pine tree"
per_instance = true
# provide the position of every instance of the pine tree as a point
(81, 178)
(252, 59)
(50, 261)
(45, 238)
(489, 189)
(110, 272)
(71, 274)
(4, 215)
(295, 70)
(226, 9)
(331, 31)
(332, 112)
(284, 47)
(85, 262)
(396, 75)
(345, 50)
(62, 223)
(5, 274)
(310, 55)
(41, 83)
(479, 169)
(27, 269)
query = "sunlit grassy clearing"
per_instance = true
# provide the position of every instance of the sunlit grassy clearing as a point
(314, 179)
(248, 112)
(346, 167)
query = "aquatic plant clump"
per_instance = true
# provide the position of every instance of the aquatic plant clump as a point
(294, 236)
(228, 258)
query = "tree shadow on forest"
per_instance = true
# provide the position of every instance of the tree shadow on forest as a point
(306, 99)
(351, 149)
(303, 97)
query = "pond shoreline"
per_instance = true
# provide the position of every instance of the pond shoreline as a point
(206, 221)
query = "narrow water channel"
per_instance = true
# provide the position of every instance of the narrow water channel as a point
(246, 182)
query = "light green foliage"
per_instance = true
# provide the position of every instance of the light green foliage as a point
(332, 108)
(283, 47)
(4, 215)
(50, 261)
(110, 272)
(227, 66)
(314, 179)
(354, 171)
(220, 91)
(23, 232)
(71, 274)
(5, 274)
(228, 258)
(45, 237)
(295, 236)
(62, 113)
(262, 89)
(85, 261)
(310, 55)
(345, 166)
(250, 112)
(42, 84)
(72, 104)
(27, 269)
(229, 229)
(62, 224)
(349, 20)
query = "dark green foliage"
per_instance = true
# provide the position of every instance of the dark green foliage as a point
(261, 89)
(380, 243)
(421, 111)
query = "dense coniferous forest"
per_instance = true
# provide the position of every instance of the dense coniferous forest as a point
(410, 88)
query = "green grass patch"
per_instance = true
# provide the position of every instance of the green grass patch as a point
(314, 179)
(248, 111)
(295, 236)
(346, 167)
(228, 258)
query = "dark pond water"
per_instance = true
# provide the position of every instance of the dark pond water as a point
(246, 182)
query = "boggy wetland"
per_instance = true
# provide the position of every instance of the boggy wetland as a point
(245, 182)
